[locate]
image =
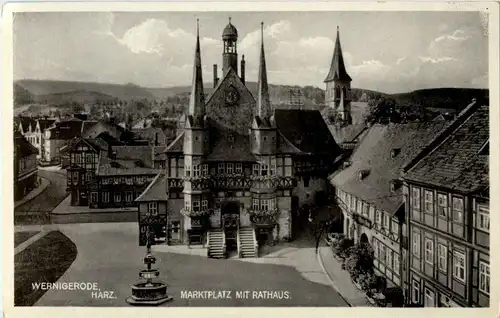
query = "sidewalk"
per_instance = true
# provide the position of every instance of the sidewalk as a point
(341, 279)
(65, 208)
(44, 183)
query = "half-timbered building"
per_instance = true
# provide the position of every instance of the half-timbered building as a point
(446, 191)
(238, 169)
(25, 166)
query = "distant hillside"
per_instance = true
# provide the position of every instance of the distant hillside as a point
(123, 92)
(22, 96)
(77, 96)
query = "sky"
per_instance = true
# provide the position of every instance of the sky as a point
(391, 52)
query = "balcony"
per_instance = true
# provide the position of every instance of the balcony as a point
(196, 214)
(175, 183)
(264, 217)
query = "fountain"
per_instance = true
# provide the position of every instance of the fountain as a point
(148, 292)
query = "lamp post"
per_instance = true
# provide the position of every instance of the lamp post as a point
(148, 292)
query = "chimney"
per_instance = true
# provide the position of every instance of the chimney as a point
(216, 79)
(156, 139)
(243, 68)
(111, 154)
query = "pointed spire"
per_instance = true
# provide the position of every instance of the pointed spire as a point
(337, 67)
(263, 101)
(197, 98)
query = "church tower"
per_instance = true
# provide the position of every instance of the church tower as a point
(264, 132)
(230, 54)
(338, 86)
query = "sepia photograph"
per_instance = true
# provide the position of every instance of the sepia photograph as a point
(251, 158)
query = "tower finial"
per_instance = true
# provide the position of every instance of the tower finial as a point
(198, 27)
(229, 20)
(337, 28)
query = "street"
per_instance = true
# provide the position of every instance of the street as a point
(108, 254)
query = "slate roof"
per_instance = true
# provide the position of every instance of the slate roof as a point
(150, 134)
(347, 133)
(25, 122)
(228, 145)
(45, 123)
(66, 130)
(22, 145)
(156, 190)
(306, 130)
(374, 155)
(337, 66)
(455, 162)
(129, 160)
(177, 145)
(88, 124)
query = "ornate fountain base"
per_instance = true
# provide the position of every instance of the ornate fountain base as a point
(149, 294)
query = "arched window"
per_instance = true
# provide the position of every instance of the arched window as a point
(337, 92)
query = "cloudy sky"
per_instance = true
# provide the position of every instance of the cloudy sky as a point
(385, 51)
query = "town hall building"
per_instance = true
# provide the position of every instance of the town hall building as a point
(239, 169)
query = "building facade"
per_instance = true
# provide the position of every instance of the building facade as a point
(238, 170)
(446, 193)
(369, 192)
(25, 166)
(122, 174)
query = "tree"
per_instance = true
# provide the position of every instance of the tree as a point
(382, 110)
(360, 260)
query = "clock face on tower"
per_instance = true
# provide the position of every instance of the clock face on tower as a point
(232, 96)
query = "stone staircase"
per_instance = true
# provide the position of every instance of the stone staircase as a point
(247, 243)
(216, 243)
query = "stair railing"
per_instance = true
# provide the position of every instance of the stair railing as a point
(208, 244)
(255, 243)
(224, 243)
(238, 244)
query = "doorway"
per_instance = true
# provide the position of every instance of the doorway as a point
(230, 219)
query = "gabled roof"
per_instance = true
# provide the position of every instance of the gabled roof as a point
(156, 190)
(76, 141)
(177, 145)
(66, 130)
(337, 68)
(25, 122)
(23, 146)
(45, 123)
(150, 134)
(128, 160)
(454, 161)
(307, 131)
(374, 158)
(88, 124)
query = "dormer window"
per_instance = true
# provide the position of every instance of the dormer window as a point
(363, 174)
(395, 152)
(395, 184)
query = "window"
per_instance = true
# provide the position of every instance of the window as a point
(395, 227)
(205, 170)
(429, 298)
(378, 220)
(204, 205)
(264, 169)
(129, 196)
(375, 248)
(360, 207)
(230, 168)
(255, 204)
(383, 253)
(239, 168)
(429, 251)
(272, 204)
(484, 277)
(118, 197)
(372, 213)
(353, 204)
(90, 158)
(153, 208)
(442, 205)
(220, 168)
(272, 168)
(386, 221)
(288, 166)
(428, 202)
(416, 198)
(105, 197)
(255, 169)
(483, 219)
(187, 204)
(264, 205)
(442, 257)
(459, 265)
(416, 244)
(279, 166)
(93, 197)
(187, 171)
(415, 295)
(196, 171)
(388, 261)
(75, 177)
(196, 206)
(396, 264)
(366, 210)
(458, 210)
